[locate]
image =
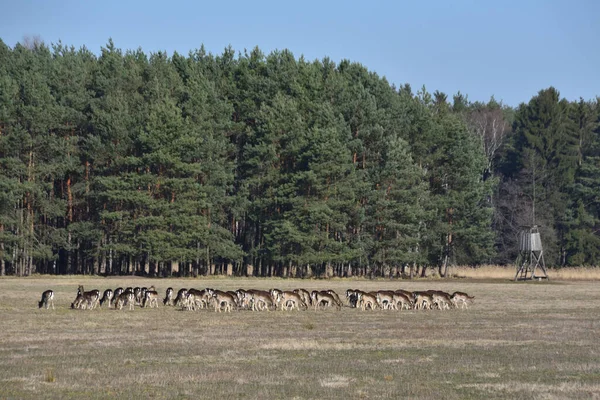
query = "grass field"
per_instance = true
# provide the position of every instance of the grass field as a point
(508, 272)
(519, 340)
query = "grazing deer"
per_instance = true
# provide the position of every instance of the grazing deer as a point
(192, 302)
(222, 299)
(168, 301)
(117, 292)
(107, 296)
(138, 294)
(304, 294)
(352, 297)
(422, 300)
(441, 299)
(403, 300)
(180, 298)
(275, 295)
(463, 298)
(385, 300)
(47, 299)
(323, 297)
(407, 294)
(367, 300)
(150, 299)
(196, 299)
(86, 300)
(260, 300)
(243, 298)
(290, 300)
(335, 297)
(125, 298)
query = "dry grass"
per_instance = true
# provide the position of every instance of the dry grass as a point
(519, 340)
(508, 273)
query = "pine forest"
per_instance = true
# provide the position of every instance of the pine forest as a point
(253, 164)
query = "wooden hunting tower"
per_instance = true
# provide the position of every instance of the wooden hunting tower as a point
(531, 256)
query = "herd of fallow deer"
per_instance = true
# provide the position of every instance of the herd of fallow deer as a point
(263, 300)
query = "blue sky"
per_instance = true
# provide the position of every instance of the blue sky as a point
(509, 49)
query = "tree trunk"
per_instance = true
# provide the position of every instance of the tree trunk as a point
(209, 269)
(2, 264)
(309, 271)
(69, 201)
(110, 259)
(328, 270)
(444, 267)
(69, 252)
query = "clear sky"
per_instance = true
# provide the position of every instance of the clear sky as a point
(509, 49)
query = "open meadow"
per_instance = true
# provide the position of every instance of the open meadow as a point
(518, 340)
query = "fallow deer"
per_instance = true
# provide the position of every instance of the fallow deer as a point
(168, 301)
(260, 299)
(150, 299)
(304, 294)
(47, 299)
(403, 300)
(367, 300)
(125, 298)
(422, 300)
(222, 299)
(86, 300)
(324, 298)
(385, 300)
(180, 298)
(462, 298)
(107, 296)
(290, 300)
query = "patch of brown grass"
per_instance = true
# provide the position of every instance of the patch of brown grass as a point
(508, 273)
(50, 378)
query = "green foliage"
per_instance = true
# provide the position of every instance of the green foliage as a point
(130, 163)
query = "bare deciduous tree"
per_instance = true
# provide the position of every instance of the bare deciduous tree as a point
(32, 42)
(491, 126)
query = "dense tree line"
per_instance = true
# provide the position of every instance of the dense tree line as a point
(124, 162)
